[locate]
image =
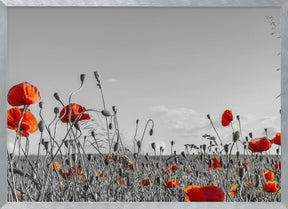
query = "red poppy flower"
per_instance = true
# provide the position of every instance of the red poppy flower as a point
(277, 139)
(172, 183)
(277, 165)
(145, 182)
(259, 144)
(270, 187)
(28, 124)
(233, 190)
(23, 94)
(269, 175)
(174, 167)
(209, 165)
(216, 163)
(209, 193)
(67, 174)
(121, 181)
(227, 117)
(76, 110)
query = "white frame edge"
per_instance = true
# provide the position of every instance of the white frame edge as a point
(283, 6)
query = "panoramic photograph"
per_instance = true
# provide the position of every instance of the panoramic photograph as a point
(143, 105)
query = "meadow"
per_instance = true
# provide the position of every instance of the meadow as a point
(242, 170)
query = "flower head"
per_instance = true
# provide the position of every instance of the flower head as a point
(172, 183)
(174, 167)
(209, 193)
(76, 110)
(227, 117)
(269, 175)
(28, 124)
(270, 186)
(259, 144)
(23, 94)
(276, 139)
(216, 163)
(145, 182)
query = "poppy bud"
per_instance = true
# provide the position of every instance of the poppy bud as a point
(172, 143)
(89, 156)
(216, 149)
(66, 143)
(56, 96)
(56, 110)
(174, 151)
(257, 181)
(96, 74)
(245, 146)
(151, 132)
(76, 125)
(147, 157)
(11, 155)
(277, 151)
(73, 155)
(221, 162)
(237, 154)
(208, 116)
(236, 136)
(157, 165)
(267, 160)
(93, 134)
(251, 135)
(116, 146)
(135, 155)
(238, 117)
(143, 165)
(176, 160)
(226, 148)
(183, 154)
(110, 126)
(106, 161)
(114, 109)
(41, 126)
(46, 145)
(261, 158)
(246, 138)
(106, 113)
(120, 172)
(265, 129)
(82, 77)
(153, 145)
(204, 147)
(241, 173)
(139, 144)
(40, 105)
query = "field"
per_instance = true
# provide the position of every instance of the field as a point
(242, 170)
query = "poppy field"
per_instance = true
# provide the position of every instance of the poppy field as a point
(63, 170)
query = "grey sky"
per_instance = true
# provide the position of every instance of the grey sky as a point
(174, 65)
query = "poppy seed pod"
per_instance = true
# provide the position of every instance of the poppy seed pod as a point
(251, 135)
(237, 154)
(110, 126)
(208, 116)
(56, 96)
(41, 126)
(151, 132)
(120, 172)
(265, 129)
(56, 110)
(238, 117)
(66, 143)
(246, 138)
(153, 145)
(82, 77)
(93, 134)
(172, 143)
(146, 157)
(277, 151)
(106, 113)
(116, 146)
(236, 136)
(40, 105)
(139, 144)
(157, 165)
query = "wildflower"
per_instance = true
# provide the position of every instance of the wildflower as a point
(216, 163)
(23, 94)
(121, 181)
(259, 144)
(276, 139)
(270, 186)
(76, 110)
(56, 166)
(233, 190)
(227, 117)
(172, 183)
(145, 182)
(174, 167)
(269, 175)
(277, 165)
(209, 193)
(28, 124)
(67, 174)
(209, 165)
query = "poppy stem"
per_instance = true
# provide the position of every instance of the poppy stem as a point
(215, 131)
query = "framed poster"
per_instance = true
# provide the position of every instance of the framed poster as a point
(144, 104)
